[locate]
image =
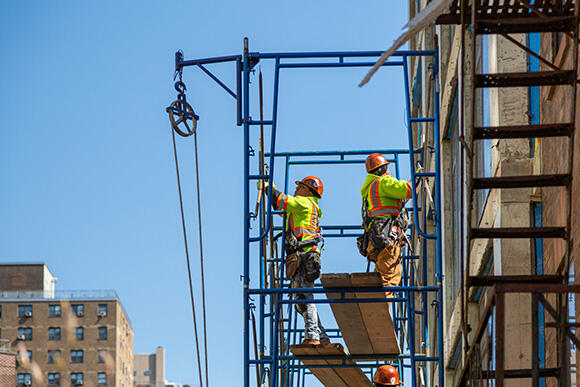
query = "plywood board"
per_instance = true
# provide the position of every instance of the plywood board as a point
(327, 376)
(331, 377)
(377, 319)
(348, 316)
(367, 328)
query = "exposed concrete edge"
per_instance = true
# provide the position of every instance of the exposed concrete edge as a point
(453, 332)
(450, 86)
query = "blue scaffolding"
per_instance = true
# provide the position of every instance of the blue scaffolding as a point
(418, 299)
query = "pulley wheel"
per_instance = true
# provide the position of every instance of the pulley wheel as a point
(180, 115)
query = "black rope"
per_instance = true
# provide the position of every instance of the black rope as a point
(187, 259)
(201, 256)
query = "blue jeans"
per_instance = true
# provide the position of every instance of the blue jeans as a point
(312, 325)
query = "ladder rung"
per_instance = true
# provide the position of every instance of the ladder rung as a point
(523, 131)
(521, 181)
(526, 25)
(490, 280)
(519, 232)
(524, 79)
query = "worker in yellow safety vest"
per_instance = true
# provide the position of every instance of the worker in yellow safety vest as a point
(386, 376)
(383, 199)
(302, 261)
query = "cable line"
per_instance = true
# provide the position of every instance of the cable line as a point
(201, 256)
(187, 259)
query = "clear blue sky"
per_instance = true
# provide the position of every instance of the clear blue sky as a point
(88, 181)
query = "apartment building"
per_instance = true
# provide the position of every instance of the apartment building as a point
(150, 369)
(63, 338)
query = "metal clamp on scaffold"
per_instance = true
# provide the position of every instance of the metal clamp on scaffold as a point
(181, 112)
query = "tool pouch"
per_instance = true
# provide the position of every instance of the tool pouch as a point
(311, 265)
(362, 242)
(379, 232)
(292, 263)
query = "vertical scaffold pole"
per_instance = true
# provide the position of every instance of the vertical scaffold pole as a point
(246, 216)
(439, 247)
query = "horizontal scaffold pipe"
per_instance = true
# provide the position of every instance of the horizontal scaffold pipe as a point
(217, 59)
(344, 153)
(334, 54)
(345, 290)
(348, 357)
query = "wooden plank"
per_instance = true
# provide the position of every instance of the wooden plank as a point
(376, 317)
(351, 376)
(327, 376)
(347, 316)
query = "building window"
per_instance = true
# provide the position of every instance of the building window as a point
(101, 356)
(23, 358)
(24, 379)
(53, 355)
(78, 309)
(24, 333)
(0, 311)
(102, 310)
(79, 333)
(24, 310)
(102, 333)
(76, 356)
(54, 310)
(54, 379)
(102, 378)
(54, 333)
(76, 379)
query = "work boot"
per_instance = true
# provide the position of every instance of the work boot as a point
(325, 343)
(311, 341)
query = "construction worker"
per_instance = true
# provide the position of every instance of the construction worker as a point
(302, 261)
(383, 199)
(386, 375)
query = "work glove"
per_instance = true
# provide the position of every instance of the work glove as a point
(263, 184)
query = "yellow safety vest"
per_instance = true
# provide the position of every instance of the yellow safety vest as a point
(384, 195)
(302, 216)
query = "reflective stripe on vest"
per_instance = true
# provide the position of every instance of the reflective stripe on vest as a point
(303, 230)
(376, 207)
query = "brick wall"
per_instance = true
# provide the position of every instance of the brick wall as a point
(7, 369)
(555, 158)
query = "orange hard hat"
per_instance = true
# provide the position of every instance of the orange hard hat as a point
(314, 183)
(387, 375)
(374, 161)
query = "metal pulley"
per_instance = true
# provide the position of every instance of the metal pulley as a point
(181, 115)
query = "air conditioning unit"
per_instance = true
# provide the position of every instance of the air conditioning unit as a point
(27, 383)
(21, 337)
(103, 314)
(79, 383)
(80, 313)
(28, 314)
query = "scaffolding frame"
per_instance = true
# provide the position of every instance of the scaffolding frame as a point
(272, 332)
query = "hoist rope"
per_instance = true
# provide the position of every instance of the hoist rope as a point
(201, 256)
(187, 259)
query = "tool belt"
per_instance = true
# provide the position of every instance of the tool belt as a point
(382, 231)
(307, 261)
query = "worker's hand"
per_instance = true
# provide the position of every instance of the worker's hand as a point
(263, 185)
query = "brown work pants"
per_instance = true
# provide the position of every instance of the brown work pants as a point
(388, 264)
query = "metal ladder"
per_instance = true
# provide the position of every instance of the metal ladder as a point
(502, 18)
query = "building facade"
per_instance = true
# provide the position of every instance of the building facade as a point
(150, 369)
(70, 338)
(465, 308)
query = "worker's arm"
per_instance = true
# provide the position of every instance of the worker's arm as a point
(397, 189)
(288, 203)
